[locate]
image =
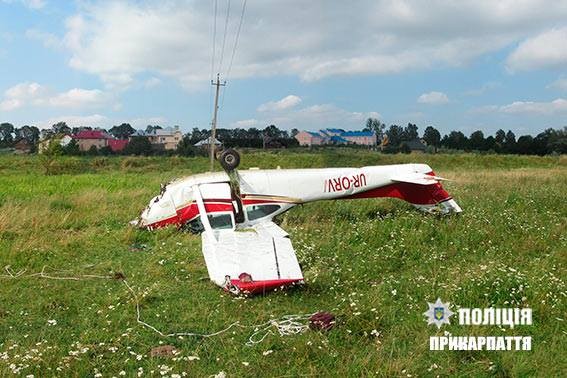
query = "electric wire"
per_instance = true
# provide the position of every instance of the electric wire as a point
(234, 48)
(215, 6)
(224, 35)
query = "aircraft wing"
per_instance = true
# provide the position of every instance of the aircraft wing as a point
(253, 260)
(418, 178)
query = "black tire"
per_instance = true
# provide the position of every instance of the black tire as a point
(229, 159)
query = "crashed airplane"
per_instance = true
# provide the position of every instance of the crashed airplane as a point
(244, 250)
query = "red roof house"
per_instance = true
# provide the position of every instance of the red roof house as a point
(86, 139)
(117, 145)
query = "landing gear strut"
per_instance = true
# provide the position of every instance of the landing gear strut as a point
(229, 159)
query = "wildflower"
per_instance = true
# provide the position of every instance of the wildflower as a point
(267, 352)
(52, 322)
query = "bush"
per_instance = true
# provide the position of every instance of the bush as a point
(99, 162)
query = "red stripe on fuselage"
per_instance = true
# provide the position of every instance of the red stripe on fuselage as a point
(413, 193)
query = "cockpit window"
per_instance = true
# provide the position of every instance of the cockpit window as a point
(217, 222)
(220, 221)
(260, 211)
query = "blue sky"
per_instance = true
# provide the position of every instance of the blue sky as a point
(454, 65)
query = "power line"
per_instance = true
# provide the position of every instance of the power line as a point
(234, 47)
(224, 36)
(237, 37)
(215, 5)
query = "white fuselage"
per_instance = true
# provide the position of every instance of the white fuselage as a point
(285, 188)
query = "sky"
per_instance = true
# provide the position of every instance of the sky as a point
(455, 65)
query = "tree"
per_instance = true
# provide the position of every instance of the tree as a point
(294, 132)
(72, 148)
(48, 158)
(455, 140)
(61, 128)
(410, 132)
(490, 144)
(510, 142)
(123, 131)
(29, 133)
(185, 146)
(404, 148)
(93, 151)
(524, 145)
(138, 145)
(432, 137)
(499, 139)
(476, 140)
(6, 134)
(394, 134)
(374, 124)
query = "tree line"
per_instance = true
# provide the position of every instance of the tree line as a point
(393, 139)
(547, 142)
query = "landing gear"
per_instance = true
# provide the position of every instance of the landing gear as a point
(229, 159)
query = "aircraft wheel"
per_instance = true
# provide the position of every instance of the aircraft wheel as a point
(229, 159)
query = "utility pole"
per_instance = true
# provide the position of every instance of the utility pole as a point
(218, 84)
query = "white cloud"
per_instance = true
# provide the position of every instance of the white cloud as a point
(545, 50)
(34, 94)
(99, 120)
(31, 4)
(245, 123)
(20, 94)
(560, 84)
(557, 106)
(119, 40)
(48, 40)
(547, 108)
(433, 98)
(34, 4)
(311, 117)
(483, 88)
(285, 103)
(152, 82)
(78, 98)
(141, 123)
(93, 120)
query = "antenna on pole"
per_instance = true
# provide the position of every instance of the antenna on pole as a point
(218, 84)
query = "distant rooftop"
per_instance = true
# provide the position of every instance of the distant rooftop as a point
(164, 131)
(92, 134)
(357, 134)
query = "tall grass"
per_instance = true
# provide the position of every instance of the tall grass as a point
(374, 263)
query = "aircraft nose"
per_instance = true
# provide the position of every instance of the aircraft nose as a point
(160, 212)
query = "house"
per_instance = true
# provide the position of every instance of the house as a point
(308, 138)
(365, 138)
(64, 141)
(22, 147)
(117, 145)
(336, 136)
(206, 142)
(167, 138)
(416, 145)
(336, 139)
(332, 132)
(86, 139)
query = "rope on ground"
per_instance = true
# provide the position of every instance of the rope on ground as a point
(287, 325)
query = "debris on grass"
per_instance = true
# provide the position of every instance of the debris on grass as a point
(163, 351)
(322, 321)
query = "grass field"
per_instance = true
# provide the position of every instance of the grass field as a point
(374, 263)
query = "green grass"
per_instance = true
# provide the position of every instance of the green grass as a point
(374, 263)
